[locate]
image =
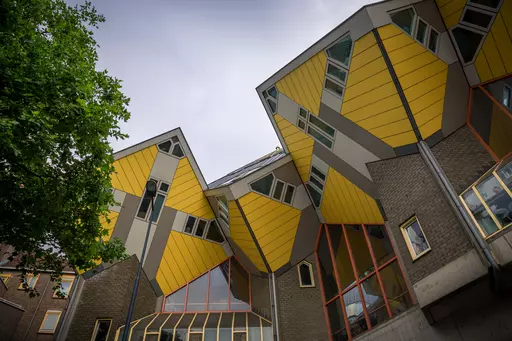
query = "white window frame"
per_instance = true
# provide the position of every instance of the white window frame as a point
(173, 144)
(310, 267)
(430, 29)
(427, 31)
(334, 60)
(50, 312)
(509, 96)
(413, 28)
(196, 224)
(148, 215)
(477, 9)
(487, 8)
(337, 64)
(461, 59)
(273, 187)
(208, 229)
(293, 194)
(267, 96)
(408, 242)
(321, 191)
(307, 123)
(223, 210)
(95, 330)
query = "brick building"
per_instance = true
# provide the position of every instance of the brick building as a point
(384, 216)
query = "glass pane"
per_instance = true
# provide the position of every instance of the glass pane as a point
(198, 324)
(278, 190)
(336, 321)
(102, 329)
(418, 240)
(189, 226)
(318, 173)
(355, 312)
(165, 146)
(360, 252)
(196, 300)
(157, 207)
(374, 300)
(421, 31)
(157, 323)
(164, 187)
(343, 264)
(319, 137)
(254, 327)
(218, 299)
(326, 268)
(305, 275)
(201, 226)
(404, 19)
(507, 92)
(264, 184)
(222, 199)
(267, 330)
(337, 72)
(144, 206)
(505, 173)
(381, 245)
(65, 285)
(50, 322)
(341, 50)
(497, 199)
(467, 42)
(303, 112)
(302, 124)
(168, 328)
(488, 3)
(395, 288)
(175, 139)
(432, 40)
(176, 301)
(182, 328)
(272, 92)
(315, 182)
(479, 213)
(334, 87)
(239, 287)
(226, 327)
(477, 18)
(214, 233)
(176, 151)
(272, 105)
(321, 125)
(315, 195)
(210, 331)
(288, 196)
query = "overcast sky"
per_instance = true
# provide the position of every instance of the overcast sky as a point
(195, 64)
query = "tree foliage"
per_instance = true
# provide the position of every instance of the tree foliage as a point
(57, 113)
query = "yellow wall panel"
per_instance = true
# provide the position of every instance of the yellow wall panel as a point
(299, 144)
(363, 43)
(304, 84)
(453, 19)
(482, 67)
(429, 112)
(503, 40)
(414, 63)
(425, 86)
(186, 194)
(376, 81)
(274, 225)
(132, 171)
(501, 133)
(406, 52)
(391, 129)
(365, 72)
(368, 98)
(344, 202)
(427, 99)
(450, 7)
(388, 31)
(431, 126)
(242, 237)
(401, 139)
(109, 225)
(397, 42)
(365, 57)
(185, 258)
(376, 108)
(421, 74)
(493, 57)
(379, 120)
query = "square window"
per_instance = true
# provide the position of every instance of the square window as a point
(337, 72)
(164, 187)
(30, 280)
(478, 19)
(65, 287)
(302, 125)
(50, 321)
(303, 112)
(415, 238)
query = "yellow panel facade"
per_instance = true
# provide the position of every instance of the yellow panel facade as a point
(274, 224)
(422, 76)
(242, 237)
(186, 194)
(451, 11)
(344, 202)
(132, 171)
(304, 84)
(109, 224)
(299, 144)
(501, 132)
(185, 258)
(371, 99)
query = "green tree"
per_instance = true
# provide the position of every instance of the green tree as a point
(57, 113)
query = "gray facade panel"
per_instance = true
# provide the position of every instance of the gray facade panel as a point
(125, 218)
(242, 257)
(288, 173)
(455, 100)
(356, 133)
(427, 10)
(346, 170)
(306, 235)
(157, 247)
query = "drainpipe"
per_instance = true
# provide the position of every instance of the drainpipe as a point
(273, 304)
(461, 213)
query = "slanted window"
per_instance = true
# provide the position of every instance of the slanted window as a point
(338, 58)
(214, 233)
(404, 19)
(270, 96)
(316, 185)
(101, 330)
(29, 281)
(222, 203)
(165, 146)
(144, 211)
(278, 190)
(203, 229)
(172, 147)
(65, 287)
(5, 277)
(306, 278)
(476, 18)
(421, 31)
(341, 50)
(263, 185)
(415, 238)
(288, 195)
(507, 92)
(316, 128)
(338, 73)
(492, 4)
(334, 87)
(190, 224)
(177, 151)
(50, 321)
(433, 38)
(467, 42)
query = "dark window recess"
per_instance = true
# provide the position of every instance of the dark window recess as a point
(303, 113)
(177, 151)
(337, 72)
(467, 41)
(421, 31)
(101, 331)
(278, 190)
(305, 275)
(404, 19)
(321, 125)
(165, 146)
(239, 287)
(189, 226)
(288, 196)
(272, 105)
(214, 233)
(318, 173)
(341, 50)
(315, 195)
(316, 182)
(144, 206)
(272, 92)
(201, 226)
(263, 185)
(175, 139)
(302, 125)
(477, 18)
(330, 85)
(164, 187)
(488, 3)
(157, 207)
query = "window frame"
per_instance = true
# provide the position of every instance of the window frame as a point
(347, 67)
(456, 46)
(20, 287)
(173, 144)
(315, 187)
(273, 187)
(65, 278)
(509, 96)
(5, 277)
(268, 97)
(470, 7)
(147, 217)
(307, 122)
(95, 330)
(310, 268)
(416, 26)
(206, 229)
(480, 6)
(407, 239)
(427, 42)
(48, 312)
(293, 193)
(413, 28)
(339, 65)
(224, 213)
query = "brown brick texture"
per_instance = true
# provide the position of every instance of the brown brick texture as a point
(407, 188)
(107, 295)
(463, 158)
(300, 310)
(260, 293)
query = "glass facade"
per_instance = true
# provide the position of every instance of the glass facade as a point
(361, 279)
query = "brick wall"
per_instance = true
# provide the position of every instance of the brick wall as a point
(463, 158)
(107, 295)
(301, 311)
(260, 296)
(33, 316)
(407, 188)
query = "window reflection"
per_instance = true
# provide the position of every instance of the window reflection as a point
(218, 299)
(336, 321)
(497, 199)
(196, 300)
(480, 213)
(326, 268)
(375, 303)
(360, 252)
(381, 245)
(395, 288)
(239, 287)
(505, 172)
(343, 264)
(176, 301)
(355, 312)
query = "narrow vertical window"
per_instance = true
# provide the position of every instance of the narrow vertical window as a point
(421, 31)
(101, 330)
(415, 238)
(278, 190)
(507, 92)
(158, 202)
(189, 225)
(404, 19)
(306, 279)
(288, 195)
(50, 321)
(432, 40)
(29, 281)
(222, 202)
